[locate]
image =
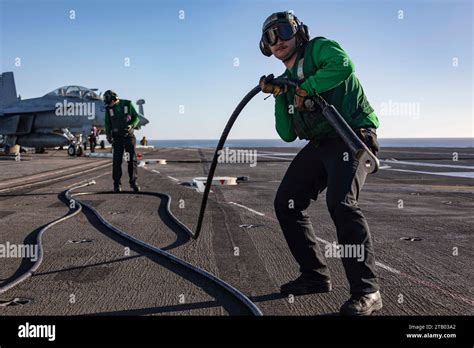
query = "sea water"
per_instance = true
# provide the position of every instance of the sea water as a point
(384, 142)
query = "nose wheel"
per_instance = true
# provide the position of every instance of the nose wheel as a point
(74, 150)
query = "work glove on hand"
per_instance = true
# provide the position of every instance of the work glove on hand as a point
(300, 95)
(369, 137)
(129, 129)
(109, 138)
(268, 87)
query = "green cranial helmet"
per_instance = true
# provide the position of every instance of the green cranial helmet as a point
(110, 96)
(284, 26)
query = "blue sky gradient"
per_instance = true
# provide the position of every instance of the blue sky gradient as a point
(190, 61)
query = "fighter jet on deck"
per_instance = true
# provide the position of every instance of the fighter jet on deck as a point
(62, 117)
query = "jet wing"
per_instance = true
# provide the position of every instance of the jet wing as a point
(30, 106)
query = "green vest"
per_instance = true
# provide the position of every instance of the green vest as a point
(348, 98)
(120, 116)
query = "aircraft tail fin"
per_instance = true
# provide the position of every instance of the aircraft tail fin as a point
(140, 103)
(7, 89)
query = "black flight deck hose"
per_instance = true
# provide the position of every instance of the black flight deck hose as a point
(359, 150)
(219, 147)
(237, 294)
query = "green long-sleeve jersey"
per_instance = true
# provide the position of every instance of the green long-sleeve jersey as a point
(118, 117)
(323, 67)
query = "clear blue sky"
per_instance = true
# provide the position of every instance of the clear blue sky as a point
(190, 62)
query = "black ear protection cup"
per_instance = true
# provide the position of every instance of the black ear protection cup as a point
(265, 49)
(305, 32)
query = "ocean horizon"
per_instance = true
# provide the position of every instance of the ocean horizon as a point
(384, 142)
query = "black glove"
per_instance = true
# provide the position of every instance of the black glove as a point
(369, 137)
(110, 139)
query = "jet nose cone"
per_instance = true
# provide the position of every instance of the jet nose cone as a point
(144, 121)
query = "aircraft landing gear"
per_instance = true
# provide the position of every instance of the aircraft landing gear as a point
(71, 150)
(75, 150)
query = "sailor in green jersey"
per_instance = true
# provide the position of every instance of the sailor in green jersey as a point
(121, 119)
(323, 67)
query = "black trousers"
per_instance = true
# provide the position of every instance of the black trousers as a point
(120, 145)
(93, 143)
(315, 168)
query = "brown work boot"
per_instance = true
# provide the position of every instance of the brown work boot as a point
(362, 304)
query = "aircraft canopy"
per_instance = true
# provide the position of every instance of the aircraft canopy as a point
(74, 92)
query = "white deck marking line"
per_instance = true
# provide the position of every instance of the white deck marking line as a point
(426, 153)
(277, 153)
(249, 209)
(377, 263)
(415, 279)
(60, 178)
(273, 157)
(88, 180)
(386, 267)
(155, 171)
(425, 164)
(173, 178)
(451, 174)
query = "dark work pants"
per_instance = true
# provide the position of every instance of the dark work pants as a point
(120, 145)
(311, 171)
(93, 143)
